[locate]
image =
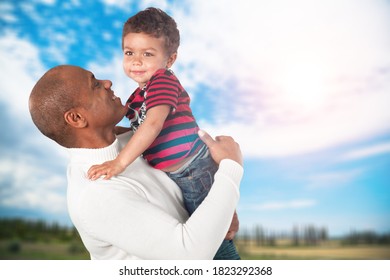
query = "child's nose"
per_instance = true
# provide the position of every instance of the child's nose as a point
(137, 60)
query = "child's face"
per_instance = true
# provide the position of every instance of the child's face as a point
(143, 55)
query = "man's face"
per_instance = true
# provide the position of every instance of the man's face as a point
(98, 102)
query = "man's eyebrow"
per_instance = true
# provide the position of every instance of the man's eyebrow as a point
(91, 79)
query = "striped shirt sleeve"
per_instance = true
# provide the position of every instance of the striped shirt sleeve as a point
(164, 89)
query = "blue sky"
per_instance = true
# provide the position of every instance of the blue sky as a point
(303, 86)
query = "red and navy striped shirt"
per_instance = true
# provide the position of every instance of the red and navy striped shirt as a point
(178, 138)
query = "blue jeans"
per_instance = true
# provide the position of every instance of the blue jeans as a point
(195, 182)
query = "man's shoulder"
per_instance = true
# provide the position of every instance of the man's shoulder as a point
(85, 197)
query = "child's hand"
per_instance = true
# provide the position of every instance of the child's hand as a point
(108, 168)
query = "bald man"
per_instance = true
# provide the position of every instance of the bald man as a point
(138, 214)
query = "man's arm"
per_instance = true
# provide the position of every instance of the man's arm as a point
(134, 224)
(224, 147)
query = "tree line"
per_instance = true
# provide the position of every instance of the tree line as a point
(35, 230)
(308, 235)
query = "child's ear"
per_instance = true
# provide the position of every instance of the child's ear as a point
(75, 119)
(171, 59)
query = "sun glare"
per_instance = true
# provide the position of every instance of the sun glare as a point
(303, 86)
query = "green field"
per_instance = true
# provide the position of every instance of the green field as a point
(331, 250)
(16, 250)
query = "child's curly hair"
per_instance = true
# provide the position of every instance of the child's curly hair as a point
(157, 23)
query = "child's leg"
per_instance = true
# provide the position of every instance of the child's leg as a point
(195, 182)
(227, 251)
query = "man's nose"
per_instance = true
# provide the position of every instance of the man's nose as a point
(107, 84)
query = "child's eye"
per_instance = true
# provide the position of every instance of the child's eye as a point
(128, 53)
(148, 54)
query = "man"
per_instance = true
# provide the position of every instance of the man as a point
(139, 213)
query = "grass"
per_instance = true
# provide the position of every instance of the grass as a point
(22, 250)
(332, 250)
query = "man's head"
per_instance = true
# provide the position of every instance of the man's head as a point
(156, 23)
(69, 105)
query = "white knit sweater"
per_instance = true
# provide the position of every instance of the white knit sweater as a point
(140, 215)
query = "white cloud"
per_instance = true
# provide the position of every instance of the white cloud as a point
(20, 69)
(31, 10)
(121, 4)
(26, 184)
(284, 205)
(128, 4)
(335, 179)
(306, 75)
(6, 14)
(60, 45)
(272, 134)
(107, 36)
(162, 4)
(48, 2)
(370, 151)
(268, 37)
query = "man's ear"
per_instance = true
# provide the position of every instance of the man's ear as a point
(171, 60)
(75, 119)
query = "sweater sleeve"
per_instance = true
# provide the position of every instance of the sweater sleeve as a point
(142, 229)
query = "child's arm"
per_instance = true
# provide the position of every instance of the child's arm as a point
(141, 140)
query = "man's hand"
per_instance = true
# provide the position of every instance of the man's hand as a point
(223, 147)
(233, 227)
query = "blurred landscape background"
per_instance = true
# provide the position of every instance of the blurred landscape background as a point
(36, 240)
(302, 85)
